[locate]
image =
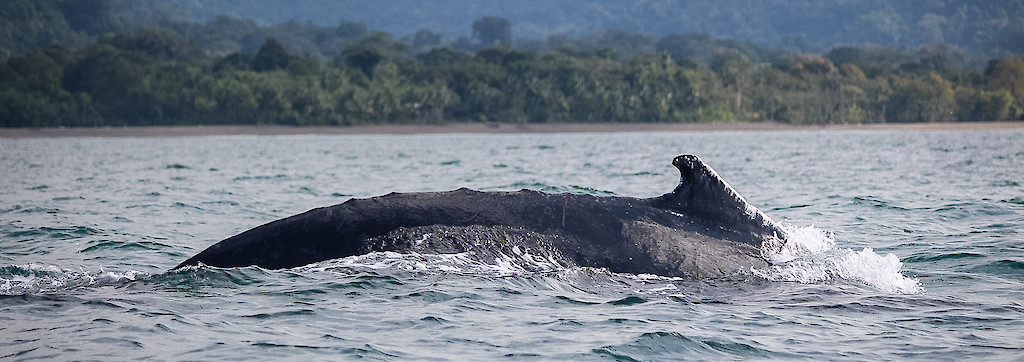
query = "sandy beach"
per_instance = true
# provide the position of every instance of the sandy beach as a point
(182, 131)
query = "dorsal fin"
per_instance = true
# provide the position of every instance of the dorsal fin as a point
(702, 193)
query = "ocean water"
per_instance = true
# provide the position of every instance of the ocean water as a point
(906, 245)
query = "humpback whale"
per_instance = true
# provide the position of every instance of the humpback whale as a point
(702, 228)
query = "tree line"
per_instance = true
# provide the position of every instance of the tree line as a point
(231, 71)
(989, 28)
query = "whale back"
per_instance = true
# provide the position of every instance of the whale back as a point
(702, 193)
(702, 227)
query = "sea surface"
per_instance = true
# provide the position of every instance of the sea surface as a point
(906, 245)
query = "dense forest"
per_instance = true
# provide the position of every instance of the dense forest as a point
(990, 28)
(80, 63)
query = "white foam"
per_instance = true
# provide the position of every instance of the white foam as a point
(521, 262)
(802, 242)
(50, 279)
(810, 256)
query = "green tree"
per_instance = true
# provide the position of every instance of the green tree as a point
(981, 106)
(689, 46)
(157, 43)
(942, 58)
(430, 100)
(659, 90)
(90, 16)
(31, 91)
(29, 24)
(441, 57)
(271, 56)
(922, 99)
(377, 48)
(118, 85)
(38, 71)
(233, 61)
(492, 30)
(232, 97)
(1008, 75)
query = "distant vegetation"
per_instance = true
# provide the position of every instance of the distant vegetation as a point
(990, 28)
(81, 63)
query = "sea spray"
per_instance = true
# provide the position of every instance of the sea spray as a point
(810, 256)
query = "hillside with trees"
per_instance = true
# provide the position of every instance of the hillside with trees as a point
(989, 28)
(64, 69)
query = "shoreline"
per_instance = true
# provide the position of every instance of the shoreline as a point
(269, 130)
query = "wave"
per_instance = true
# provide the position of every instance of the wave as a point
(810, 256)
(673, 346)
(1012, 269)
(50, 279)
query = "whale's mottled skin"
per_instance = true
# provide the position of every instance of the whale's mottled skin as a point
(702, 228)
